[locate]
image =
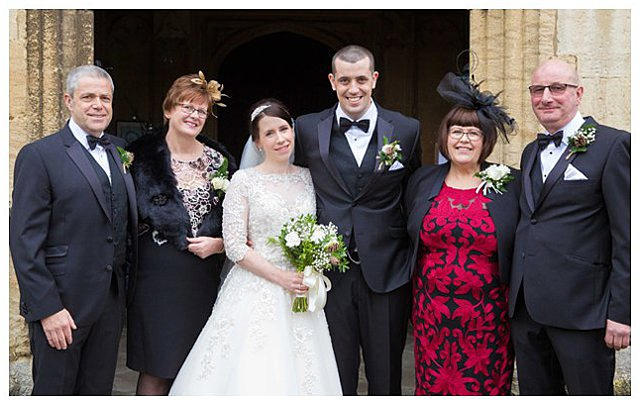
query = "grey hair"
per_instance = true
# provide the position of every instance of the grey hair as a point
(353, 54)
(86, 71)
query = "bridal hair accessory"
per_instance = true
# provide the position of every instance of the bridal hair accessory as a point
(212, 87)
(462, 90)
(258, 110)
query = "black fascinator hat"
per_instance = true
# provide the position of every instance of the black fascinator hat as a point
(461, 90)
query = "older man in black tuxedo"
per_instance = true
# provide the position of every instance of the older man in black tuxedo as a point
(73, 242)
(362, 194)
(570, 292)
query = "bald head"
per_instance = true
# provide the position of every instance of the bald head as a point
(557, 67)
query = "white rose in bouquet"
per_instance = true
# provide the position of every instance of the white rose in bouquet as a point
(292, 239)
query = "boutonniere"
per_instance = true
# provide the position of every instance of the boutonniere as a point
(126, 157)
(220, 178)
(583, 137)
(388, 154)
(494, 178)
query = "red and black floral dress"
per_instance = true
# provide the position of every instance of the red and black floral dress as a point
(460, 315)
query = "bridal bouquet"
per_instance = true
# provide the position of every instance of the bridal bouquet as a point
(312, 248)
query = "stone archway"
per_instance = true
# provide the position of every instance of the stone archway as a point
(283, 65)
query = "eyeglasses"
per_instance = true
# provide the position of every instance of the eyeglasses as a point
(556, 89)
(189, 109)
(457, 134)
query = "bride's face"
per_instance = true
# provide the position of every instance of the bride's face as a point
(276, 139)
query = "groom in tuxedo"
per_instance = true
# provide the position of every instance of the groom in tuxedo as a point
(73, 242)
(368, 305)
(570, 292)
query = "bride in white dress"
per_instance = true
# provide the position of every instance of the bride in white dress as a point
(253, 344)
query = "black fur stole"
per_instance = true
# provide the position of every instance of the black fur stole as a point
(160, 204)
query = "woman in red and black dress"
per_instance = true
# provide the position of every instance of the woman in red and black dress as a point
(462, 232)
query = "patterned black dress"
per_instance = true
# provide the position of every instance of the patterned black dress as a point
(460, 313)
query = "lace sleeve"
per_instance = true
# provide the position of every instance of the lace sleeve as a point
(308, 182)
(235, 215)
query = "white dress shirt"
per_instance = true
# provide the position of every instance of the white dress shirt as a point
(357, 138)
(550, 155)
(99, 153)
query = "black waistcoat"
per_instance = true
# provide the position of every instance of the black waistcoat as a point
(355, 177)
(115, 193)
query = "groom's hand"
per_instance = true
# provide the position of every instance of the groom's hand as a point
(57, 328)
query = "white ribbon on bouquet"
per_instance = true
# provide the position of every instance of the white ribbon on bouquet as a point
(319, 285)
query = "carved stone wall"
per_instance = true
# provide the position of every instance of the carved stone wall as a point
(511, 43)
(43, 46)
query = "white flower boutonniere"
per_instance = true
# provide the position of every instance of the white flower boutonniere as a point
(388, 154)
(126, 158)
(220, 178)
(494, 178)
(579, 141)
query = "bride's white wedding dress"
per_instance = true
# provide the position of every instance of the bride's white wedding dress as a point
(253, 344)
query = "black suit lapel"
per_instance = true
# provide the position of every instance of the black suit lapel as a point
(526, 175)
(128, 181)
(324, 137)
(78, 156)
(383, 127)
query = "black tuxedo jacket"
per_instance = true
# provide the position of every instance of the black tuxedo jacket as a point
(425, 185)
(60, 230)
(375, 213)
(572, 248)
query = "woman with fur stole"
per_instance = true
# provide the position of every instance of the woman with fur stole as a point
(180, 177)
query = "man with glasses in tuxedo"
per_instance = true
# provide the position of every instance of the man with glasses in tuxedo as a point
(569, 296)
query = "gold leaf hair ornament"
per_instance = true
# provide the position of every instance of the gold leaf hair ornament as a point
(212, 87)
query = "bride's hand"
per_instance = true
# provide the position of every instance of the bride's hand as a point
(292, 282)
(205, 246)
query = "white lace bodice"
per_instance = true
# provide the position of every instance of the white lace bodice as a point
(257, 205)
(253, 344)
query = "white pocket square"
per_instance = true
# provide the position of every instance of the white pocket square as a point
(572, 173)
(396, 166)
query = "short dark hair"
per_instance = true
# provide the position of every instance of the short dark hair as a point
(267, 107)
(353, 54)
(466, 117)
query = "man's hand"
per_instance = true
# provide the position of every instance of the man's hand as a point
(617, 335)
(57, 328)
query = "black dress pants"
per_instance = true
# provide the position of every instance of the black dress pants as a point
(87, 366)
(376, 322)
(549, 358)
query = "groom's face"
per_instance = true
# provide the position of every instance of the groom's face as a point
(353, 84)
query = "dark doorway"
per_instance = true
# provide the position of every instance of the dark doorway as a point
(286, 66)
(284, 54)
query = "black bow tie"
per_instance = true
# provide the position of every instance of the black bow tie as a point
(346, 123)
(93, 141)
(544, 139)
